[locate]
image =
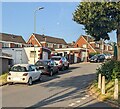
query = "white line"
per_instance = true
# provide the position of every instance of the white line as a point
(87, 95)
(71, 104)
(83, 98)
(78, 101)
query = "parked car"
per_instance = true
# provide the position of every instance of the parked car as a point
(47, 67)
(97, 58)
(23, 73)
(61, 61)
(108, 56)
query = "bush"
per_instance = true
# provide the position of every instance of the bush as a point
(92, 54)
(116, 70)
(110, 69)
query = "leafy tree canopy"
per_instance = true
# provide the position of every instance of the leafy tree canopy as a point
(98, 18)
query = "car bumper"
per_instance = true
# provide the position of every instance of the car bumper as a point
(17, 79)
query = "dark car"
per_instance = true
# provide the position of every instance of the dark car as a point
(47, 67)
(97, 58)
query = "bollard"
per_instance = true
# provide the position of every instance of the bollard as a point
(99, 81)
(116, 89)
(103, 84)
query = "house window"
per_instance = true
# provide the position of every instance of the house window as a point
(77, 45)
(101, 47)
(60, 46)
(110, 48)
(97, 45)
(5, 45)
(50, 45)
(55, 46)
(84, 46)
(32, 54)
(18, 45)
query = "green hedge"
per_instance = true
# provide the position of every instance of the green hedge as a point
(110, 69)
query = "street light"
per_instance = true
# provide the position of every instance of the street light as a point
(39, 8)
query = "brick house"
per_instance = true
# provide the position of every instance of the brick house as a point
(93, 46)
(46, 41)
(11, 41)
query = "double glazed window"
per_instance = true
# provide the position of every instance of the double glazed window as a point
(32, 54)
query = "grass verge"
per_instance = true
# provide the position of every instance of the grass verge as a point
(109, 91)
(3, 78)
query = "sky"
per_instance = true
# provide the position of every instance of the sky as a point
(54, 20)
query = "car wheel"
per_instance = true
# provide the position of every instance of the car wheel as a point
(40, 78)
(68, 66)
(98, 60)
(51, 73)
(10, 83)
(30, 81)
(57, 71)
(63, 68)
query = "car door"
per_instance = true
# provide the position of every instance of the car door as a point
(36, 73)
(32, 72)
(55, 66)
(52, 66)
(65, 62)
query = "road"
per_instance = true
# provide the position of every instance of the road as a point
(66, 89)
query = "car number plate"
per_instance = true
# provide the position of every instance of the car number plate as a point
(16, 79)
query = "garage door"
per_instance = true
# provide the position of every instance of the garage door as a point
(18, 57)
(83, 55)
(75, 58)
(45, 55)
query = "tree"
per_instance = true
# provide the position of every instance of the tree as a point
(99, 19)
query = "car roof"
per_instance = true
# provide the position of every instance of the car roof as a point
(23, 65)
(56, 56)
(43, 60)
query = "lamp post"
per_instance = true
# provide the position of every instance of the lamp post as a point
(86, 54)
(39, 8)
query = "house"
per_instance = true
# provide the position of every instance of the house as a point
(11, 41)
(73, 55)
(93, 46)
(27, 55)
(46, 41)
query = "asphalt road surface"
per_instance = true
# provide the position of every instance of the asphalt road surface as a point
(66, 89)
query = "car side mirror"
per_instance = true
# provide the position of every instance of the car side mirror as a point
(37, 68)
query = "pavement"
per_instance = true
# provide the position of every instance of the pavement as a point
(66, 89)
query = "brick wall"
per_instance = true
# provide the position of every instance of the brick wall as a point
(81, 42)
(33, 41)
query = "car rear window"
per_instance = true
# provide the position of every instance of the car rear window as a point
(18, 69)
(55, 58)
(41, 63)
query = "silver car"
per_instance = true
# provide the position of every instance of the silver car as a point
(23, 73)
(61, 61)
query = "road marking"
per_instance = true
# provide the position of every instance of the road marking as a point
(83, 98)
(87, 95)
(71, 104)
(78, 101)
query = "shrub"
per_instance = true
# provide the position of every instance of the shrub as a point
(110, 69)
(92, 54)
(116, 70)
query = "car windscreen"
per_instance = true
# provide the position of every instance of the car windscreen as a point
(93, 57)
(41, 63)
(55, 58)
(18, 69)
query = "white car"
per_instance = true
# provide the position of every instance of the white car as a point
(61, 61)
(23, 73)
